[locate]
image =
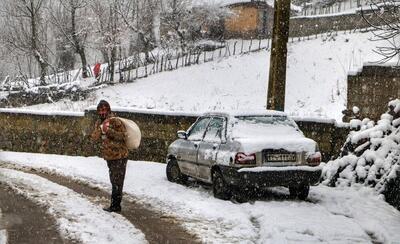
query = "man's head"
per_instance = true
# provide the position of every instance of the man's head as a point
(103, 109)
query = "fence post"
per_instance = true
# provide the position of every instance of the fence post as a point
(137, 69)
(204, 56)
(145, 67)
(167, 63)
(259, 44)
(251, 44)
(162, 63)
(227, 51)
(241, 49)
(234, 48)
(177, 60)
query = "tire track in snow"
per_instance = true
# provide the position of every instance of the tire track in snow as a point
(157, 227)
(26, 222)
(3, 232)
(76, 217)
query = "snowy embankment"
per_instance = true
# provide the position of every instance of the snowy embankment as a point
(77, 218)
(371, 156)
(332, 215)
(316, 81)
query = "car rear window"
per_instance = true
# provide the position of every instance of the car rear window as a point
(267, 120)
(257, 126)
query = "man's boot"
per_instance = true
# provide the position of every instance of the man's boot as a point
(115, 201)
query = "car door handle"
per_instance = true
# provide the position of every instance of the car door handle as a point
(196, 145)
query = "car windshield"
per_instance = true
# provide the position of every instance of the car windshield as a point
(259, 126)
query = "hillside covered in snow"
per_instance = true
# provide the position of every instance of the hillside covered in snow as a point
(316, 81)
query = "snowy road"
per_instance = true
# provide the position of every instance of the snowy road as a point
(331, 215)
(3, 232)
(77, 218)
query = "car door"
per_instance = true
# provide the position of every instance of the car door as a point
(209, 146)
(188, 149)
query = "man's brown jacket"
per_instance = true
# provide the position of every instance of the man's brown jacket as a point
(112, 142)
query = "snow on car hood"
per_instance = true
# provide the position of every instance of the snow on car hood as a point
(254, 138)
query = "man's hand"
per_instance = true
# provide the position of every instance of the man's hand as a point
(105, 126)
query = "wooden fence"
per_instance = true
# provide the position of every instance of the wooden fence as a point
(137, 67)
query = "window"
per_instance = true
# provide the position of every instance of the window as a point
(215, 130)
(197, 130)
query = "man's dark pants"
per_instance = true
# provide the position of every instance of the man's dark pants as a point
(117, 169)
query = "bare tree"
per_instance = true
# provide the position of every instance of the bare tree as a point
(384, 19)
(138, 16)
(107, 23)
(69, 16)
(175, 17)
(184, 23)
(25, 31)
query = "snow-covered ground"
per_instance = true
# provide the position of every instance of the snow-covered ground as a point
(316, 81)
(77, 218)
(331, 215)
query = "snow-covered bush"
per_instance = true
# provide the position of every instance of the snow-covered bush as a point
(371, 155)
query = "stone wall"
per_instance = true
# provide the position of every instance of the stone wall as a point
(328, 134)
(69, 135)
(371, 90)
(307, 26)
(310, 25)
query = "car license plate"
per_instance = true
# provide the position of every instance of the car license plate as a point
(279, 157)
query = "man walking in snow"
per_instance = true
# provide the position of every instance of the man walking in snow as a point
(110, 133)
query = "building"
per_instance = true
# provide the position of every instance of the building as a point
(249, 19)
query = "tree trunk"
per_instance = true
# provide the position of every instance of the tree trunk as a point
(43, 70)
(35, 46)
(78, 47)
(85, 72)
(111, 66)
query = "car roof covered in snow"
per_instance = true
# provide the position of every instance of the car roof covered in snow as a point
(246, 113)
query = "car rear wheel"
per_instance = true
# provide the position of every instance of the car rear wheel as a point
(174, 174)
(300, 191)
(220, 187)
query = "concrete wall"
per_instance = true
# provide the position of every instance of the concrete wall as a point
(371, 90)
(69, 135)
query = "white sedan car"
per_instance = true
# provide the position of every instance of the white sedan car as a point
(237, 150)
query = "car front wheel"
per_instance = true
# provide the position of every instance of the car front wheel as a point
(220, 187)
(300, 191)
(174, 174)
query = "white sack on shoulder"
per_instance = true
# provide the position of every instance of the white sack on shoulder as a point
(133, 134)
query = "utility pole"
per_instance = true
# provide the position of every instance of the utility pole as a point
(277, 69)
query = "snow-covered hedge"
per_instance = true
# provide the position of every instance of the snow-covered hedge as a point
(371, 155)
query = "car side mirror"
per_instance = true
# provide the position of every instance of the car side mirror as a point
(182, 134)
